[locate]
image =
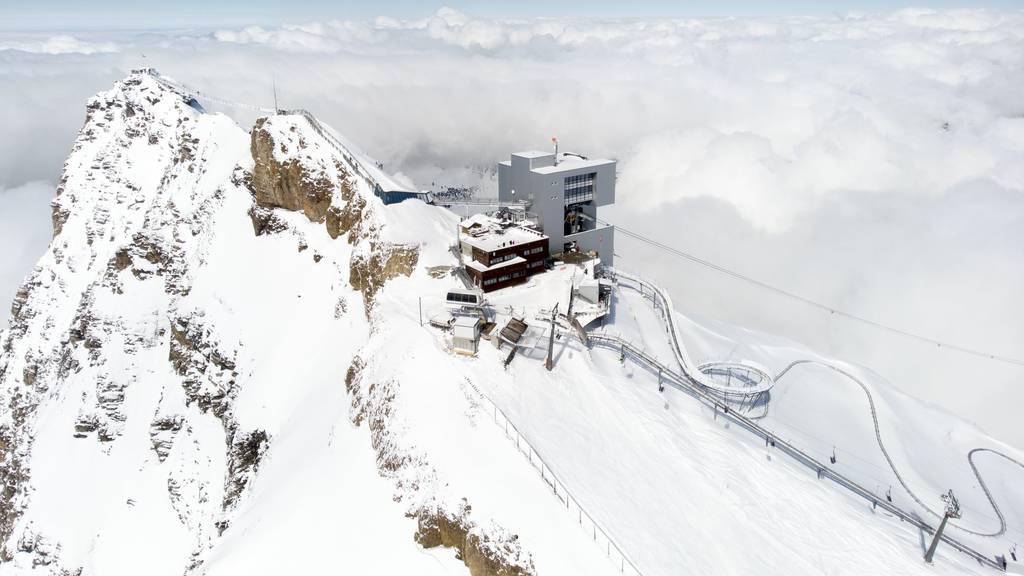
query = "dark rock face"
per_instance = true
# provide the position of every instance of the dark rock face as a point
(208, 373)
(264, 221)
(291, 185)
(435, 527)
(342, 220)
(243, 462)
(368, 274)
(286, 184)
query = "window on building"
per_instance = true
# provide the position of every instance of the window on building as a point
(579, 188)
(504, 258)
(463, 298)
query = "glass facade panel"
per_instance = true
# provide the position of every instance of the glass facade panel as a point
(579, 188)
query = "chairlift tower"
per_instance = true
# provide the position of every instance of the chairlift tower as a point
(549, 363)
(952, 511)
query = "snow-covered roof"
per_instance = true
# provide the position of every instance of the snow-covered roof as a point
(479, 266)
(533, 154)
(466, 321)
(493, 234)
(572, 163)
(476, 220)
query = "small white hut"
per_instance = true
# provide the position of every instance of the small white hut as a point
(466, 330)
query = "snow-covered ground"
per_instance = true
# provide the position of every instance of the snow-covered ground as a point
(682, 491)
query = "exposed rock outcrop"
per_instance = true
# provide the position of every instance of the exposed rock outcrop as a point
(368, 274)
(287, 183)
(243, 462)
(348, 217)
(483, 555)
(490, 551)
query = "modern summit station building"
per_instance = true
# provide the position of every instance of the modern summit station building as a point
(547, 208)
(564, 194)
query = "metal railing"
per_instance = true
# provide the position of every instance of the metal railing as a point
(698, 391)
(584, 519)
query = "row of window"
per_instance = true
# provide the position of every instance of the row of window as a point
(506, 257)
(580, 180)
(505, 277)
(579, 188)
(460, 297)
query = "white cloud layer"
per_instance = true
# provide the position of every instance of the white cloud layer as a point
(59, 44)
(874, 161)
(23, 234)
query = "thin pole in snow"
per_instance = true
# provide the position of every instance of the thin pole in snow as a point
(421, 311)
(273, 81)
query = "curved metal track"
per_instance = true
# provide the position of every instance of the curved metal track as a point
(699, 392)
(892, 465)
(689, 368)
(685, 365)
(981, 481)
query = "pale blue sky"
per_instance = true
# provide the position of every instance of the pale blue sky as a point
(76, 14)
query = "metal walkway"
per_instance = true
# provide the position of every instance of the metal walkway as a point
(892, 465)
(697, 373)
(696, 389)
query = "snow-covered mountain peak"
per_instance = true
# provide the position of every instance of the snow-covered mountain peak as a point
(200, 308)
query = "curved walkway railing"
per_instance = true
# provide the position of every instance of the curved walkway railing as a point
(686, 384)
(981, 481)
(688, 366)
(892, 465)
(684, 360)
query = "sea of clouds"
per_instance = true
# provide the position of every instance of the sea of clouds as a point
(874, 162)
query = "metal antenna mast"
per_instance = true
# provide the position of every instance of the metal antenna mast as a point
(273, 80)
(952, 511)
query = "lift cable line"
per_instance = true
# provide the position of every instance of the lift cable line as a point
(813, 303)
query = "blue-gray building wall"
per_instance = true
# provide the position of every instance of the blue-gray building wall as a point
(600, 240)
(531, 176)
(504, 182)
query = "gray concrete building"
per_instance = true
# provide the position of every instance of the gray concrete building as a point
(564, 192)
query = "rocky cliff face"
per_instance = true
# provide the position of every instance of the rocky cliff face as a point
(108, 306)
(188, 321)
(294, 172)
